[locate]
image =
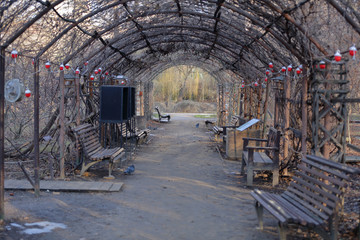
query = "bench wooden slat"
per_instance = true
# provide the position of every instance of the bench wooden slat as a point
(314, 188)
(268, 207)
(318, 182)
(336, 165)
(318, 214)
(326, 169)
(311, 197)
(299, 215)
(321, 175)
(268, 197)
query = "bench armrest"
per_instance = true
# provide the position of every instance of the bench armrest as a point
(256, 139)
(262, 148)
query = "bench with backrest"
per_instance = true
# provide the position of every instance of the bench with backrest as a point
(89, 138)
(260, 158)
(162, 116)
(140, 135)
(235, 121)
(312, 200)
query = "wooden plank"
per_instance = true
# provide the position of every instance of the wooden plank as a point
(294, 199)
(65, 186)
(336, 181)
(339, 166)
(299, 215)
(326, 169)
(320, 183)
(309, 196)
(268, 207)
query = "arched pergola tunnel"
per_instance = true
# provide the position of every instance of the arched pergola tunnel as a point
(233, 40)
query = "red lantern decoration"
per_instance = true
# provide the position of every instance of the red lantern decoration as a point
(298, 70)
(14, 54)
(272, 70)
(289, 68)
(337, 56)
(86, 63)
(27, 93)
(67, 66)
(256, 84)
(140, 93)
(271, 65)
(100, 69)
(242, 85)
(96, 71)
(92, 77)
(352, 51)
(283, 69)
(266, 80)
(47, 65)
(322, 65)
(33, 61)
(77, 71)
(301, 67)
(267, 72)
(106, 73)
(61, 67)
(122, 82)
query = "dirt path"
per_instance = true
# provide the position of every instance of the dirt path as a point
(180, 190)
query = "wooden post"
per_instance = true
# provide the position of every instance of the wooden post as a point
(327, 118)
(304, 113)
(259, 94)
(245, 103)
(2, 133)
(62, 125)
(36, 127)
(78, 117)
(265, 107)
(250, 104)
(287, 117)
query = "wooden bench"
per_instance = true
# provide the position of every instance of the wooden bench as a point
(140, 135)
(262, 158)
(89, 138)
(161, 116)
(312, 200)
(235, 121)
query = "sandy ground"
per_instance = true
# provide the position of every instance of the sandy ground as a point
(181, 189)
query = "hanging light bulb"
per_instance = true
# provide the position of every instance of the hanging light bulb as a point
(27, 93)
(14, 54)
(283, 69)
(100, 69)
(298, 70)
(352, 51)
(337, 56)
(77, 71)
(92, 77)
(47, 65)
(61, 67)
(271, 65)
(322, 65)
(67, 66)
(289, 68)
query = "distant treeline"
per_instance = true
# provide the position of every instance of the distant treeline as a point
(185, 83)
